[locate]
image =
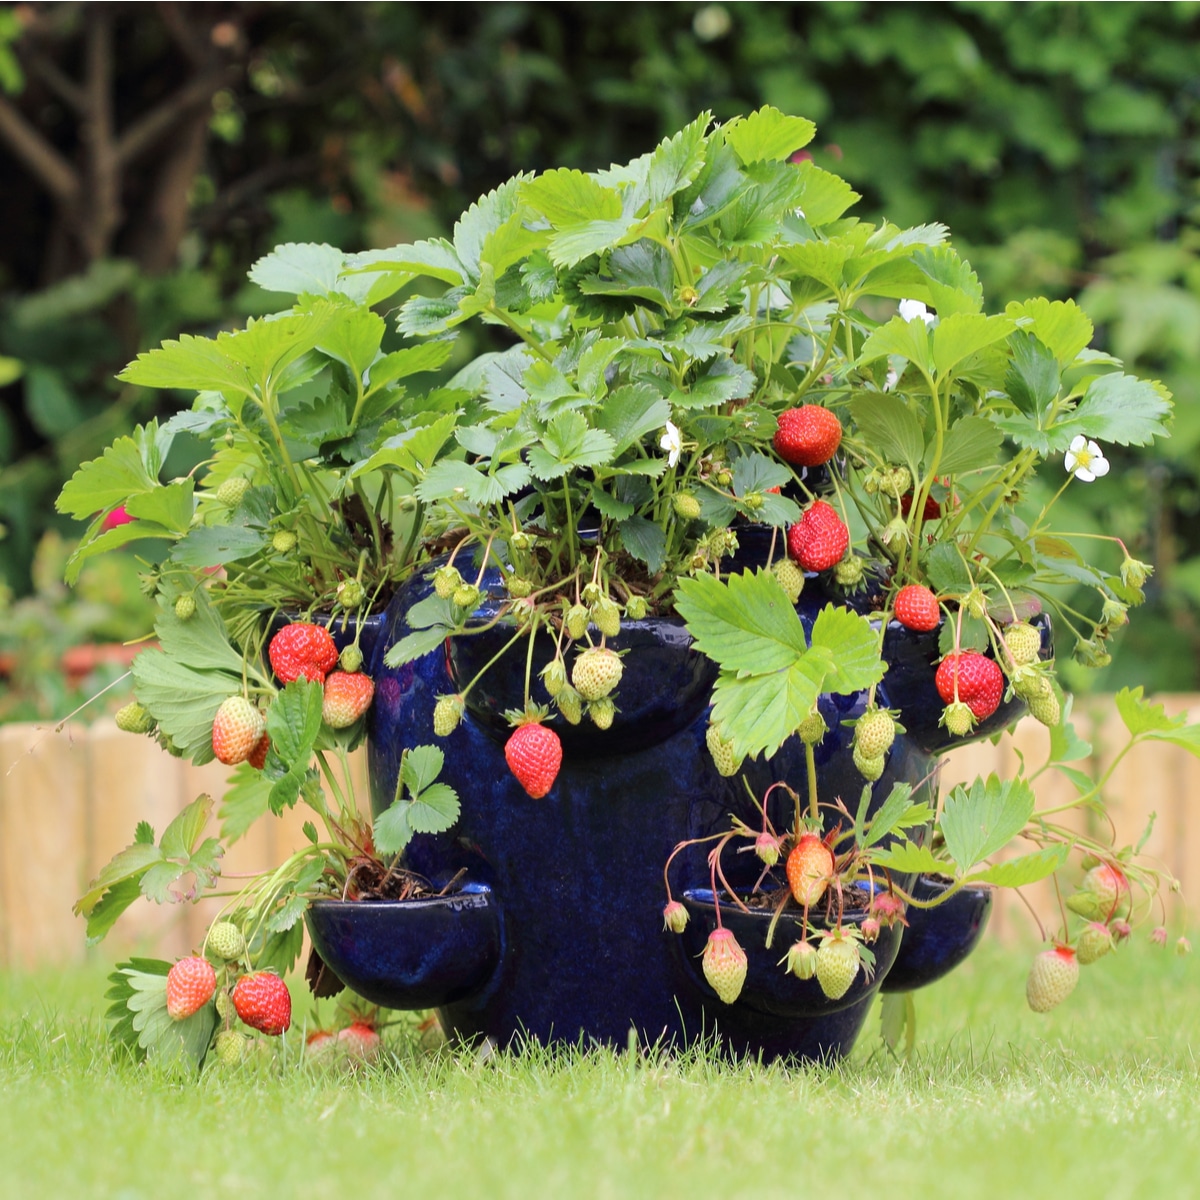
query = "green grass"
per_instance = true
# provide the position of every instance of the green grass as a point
(1101, 1097)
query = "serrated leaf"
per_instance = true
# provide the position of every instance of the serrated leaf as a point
(1033, 379)
(244, 801)
(720, 381)
(568, 443)
(908, 859)
(950, 284)
(979, 821)
(414, 450)
(852, 646)
(889, 814)
(1143, 716)
(353, 337)
(294, 720)
(960, 335)
(759, 713)
(416, 645)
(1060, 325)
(945, 569)
(106, 481)
(198, 642)
(567, 197)
(1116, 408)
(400, 364)
(1066, 745)
(768, 135)
(642, 270)
(420, 767)
(130, 863)
(182, 699)
(609, 506)
(1026, 869)
(824, 196)
(645, 541)
(191, 364)
(216, 545)
(299, 268)
(888, 424)
(906, 339)
(181, 835)
(970, 444)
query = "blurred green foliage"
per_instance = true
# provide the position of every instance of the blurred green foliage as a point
(1059, 141)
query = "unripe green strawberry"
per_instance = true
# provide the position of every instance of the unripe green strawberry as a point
(518, 586)
(838, 961)
(284, 541)
(975, 603)
(686, 505)
(895, 482)
(1024, 643)
(724, 965)
(812, 729)
(522, 541)
(606, 616)
(577, 621)
(554, 676)
(1134, 573)
(591, 593)
(225, 940)
(233, 491)
(1114, 614)
(230, 1047)
(848, 573)
(185, 607)
(1094, 942)
(874, 733)
(722, 542)
(636, 608)
(351, 658)
(958, 718)
(446, 581)
(754, 501)
(467, 596)
(133, 718)
(869, 768)
(724, 759)
(675, 917)
(351, 594)
(570, 704)
(225, 1009)
(447, 713)
(1052, 978)
(766, 846)
(802, 959)
(596, 672)
(1030, 684)
(1046, 709)
(602, 712)
(790, 577)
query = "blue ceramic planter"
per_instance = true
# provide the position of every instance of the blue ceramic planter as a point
(569, 945)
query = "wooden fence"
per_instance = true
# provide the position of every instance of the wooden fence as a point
(70, 799)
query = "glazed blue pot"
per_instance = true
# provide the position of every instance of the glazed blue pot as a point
(569, 945)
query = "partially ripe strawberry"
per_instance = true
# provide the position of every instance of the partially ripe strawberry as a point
(675, 917)
(237, 729)
(916, 608)
(724, 965)
(807, 436)
(809, 866)
(534, 755)
(980, 682)
(190, 986)
(1052, 978)
(258, 756)
(348, 694)
(302, 651)
(360, 1042)
(263, 1002)
(819, 539)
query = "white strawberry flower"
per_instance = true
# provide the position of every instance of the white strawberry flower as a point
(910, 310)
(1085, 460)
(672, 442)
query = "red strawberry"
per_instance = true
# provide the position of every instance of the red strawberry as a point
(819, 539)
(263, 1002)
(916, 608)
(190, 986)
(360, 1042)
(348, 694)
(534, 755)
(237, 730)
(809, 866)
(980, 682)
(301, 650)
(258, 756)
(931, 512)
(807, 436)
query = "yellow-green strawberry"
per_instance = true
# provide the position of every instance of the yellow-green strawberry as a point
(577, 621)
(809, 868)
(1094, 942)
(446, 581)
(570, 703)
(675, 917)
(1052, 978)
(874, 733)
(724, 759)
(1024, 643)
(185, 607)
(724, 965)
(838, 961)
(636, 608)
(606, 616)
(958, 718)
(602, 712)
(133, 718)
(284, 541)
(467, 596)
(225, 940)
(790, 577)
(447, 713)
(237, 729)
(869, 768)
(233, 491)
(351, 658)
(554, 676)
(1046, 709)
(802, 959)
(812, 729)
(895, 482)
(686, 505)
(230, 1047)
(518, 586)
(596, 672)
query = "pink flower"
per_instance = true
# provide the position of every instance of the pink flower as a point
(118, 516)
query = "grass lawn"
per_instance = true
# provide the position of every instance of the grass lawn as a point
(1103, 1094)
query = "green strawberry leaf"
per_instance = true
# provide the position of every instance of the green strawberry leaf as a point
(245, 800)
(825, 196)
(293, 722)
(852, 647)
(905, 858)
(1033, 381)
(961, 335)
(1028, 868)
(979, 821)
(759, 713)
(767, 135)
(891, 815)
(645, 541)
(971, 443)
(1061, 326)
(420, 766)
(890, 426)
(1116, 408)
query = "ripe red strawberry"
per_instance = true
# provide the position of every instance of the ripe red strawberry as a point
(1052, 978)
(190, 986)
(301, 650)
(237, 730)
(931, 512)
(807, 436)
(360, 1042)
(258, 756)
(534, 755)
(819, 539)
(980, 682)
(348, 694)
(263, 1002)
(725, 965)
(916, 608)
(809, 866)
